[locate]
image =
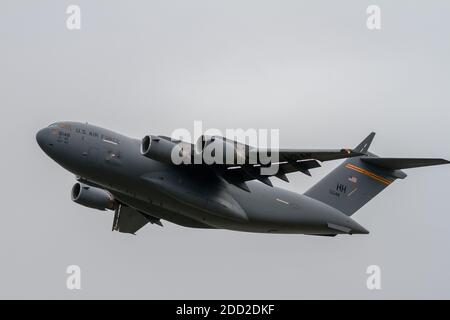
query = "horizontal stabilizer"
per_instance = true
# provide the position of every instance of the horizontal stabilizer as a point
(402, 163)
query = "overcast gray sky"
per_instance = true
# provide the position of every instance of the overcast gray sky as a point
(309, 68)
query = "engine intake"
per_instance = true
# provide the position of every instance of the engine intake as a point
(163, 149)
(92, 197)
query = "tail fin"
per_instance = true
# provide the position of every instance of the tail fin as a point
(357, 180)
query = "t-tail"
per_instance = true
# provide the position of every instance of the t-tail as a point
(357, 180)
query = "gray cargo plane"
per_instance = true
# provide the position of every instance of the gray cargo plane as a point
(138, 181)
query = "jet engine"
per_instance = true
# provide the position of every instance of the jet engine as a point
(221, 150)
(164, 149)
(208, 150)
(92, 197)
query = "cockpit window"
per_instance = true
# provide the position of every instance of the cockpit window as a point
(65, 126)
(60, 125)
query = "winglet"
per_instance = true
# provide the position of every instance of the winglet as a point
(363, 147)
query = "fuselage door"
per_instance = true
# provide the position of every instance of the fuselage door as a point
(83, 143)
(89, 149)
(92, 156)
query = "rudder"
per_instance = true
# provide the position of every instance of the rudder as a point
(356, 181)
(351, 185)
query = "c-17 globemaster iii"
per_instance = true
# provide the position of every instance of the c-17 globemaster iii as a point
(138, 182)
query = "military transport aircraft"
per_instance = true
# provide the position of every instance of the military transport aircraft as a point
(139, 182)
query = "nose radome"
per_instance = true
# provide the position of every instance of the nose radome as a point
(41, 137)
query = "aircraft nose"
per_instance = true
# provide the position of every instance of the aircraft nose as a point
(42, 137)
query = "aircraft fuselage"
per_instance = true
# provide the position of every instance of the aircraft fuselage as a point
(185, 196)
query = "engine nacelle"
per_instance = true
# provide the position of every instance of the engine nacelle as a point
(207, 150)
(222, 151)
(164, 150)
(92, 197)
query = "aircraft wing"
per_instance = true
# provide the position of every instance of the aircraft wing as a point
(316, 154)
(249, 162)
(289, 160)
